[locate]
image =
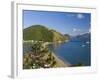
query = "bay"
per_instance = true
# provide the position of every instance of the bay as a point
(73, 52)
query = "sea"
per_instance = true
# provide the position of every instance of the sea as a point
(73, 52)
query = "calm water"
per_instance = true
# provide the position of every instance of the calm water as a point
(73, 52)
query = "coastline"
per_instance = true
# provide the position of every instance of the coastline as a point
(60, 63)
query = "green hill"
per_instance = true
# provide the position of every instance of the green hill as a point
(58, 36)
(41, 33)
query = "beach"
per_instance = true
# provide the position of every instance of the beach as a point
(60, 63)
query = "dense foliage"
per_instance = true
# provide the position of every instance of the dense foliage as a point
(40, 57)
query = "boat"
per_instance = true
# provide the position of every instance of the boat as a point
(87, 42)
(83, 45)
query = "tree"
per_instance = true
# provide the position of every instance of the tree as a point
(36, 47)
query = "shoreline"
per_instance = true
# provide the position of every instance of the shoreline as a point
(60, 63)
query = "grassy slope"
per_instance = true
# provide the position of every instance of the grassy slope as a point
(58, 36)
(41, 33)
(37, 32)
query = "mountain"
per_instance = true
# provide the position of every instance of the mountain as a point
(83, 37)
(67, 36)
(41, 33)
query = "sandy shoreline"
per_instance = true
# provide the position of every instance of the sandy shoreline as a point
(60, 63)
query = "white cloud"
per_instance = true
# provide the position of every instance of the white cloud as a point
(80, 16)
(76, 30)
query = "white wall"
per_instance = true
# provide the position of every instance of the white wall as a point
(5, 37)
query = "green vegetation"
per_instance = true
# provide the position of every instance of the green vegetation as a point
(37, 33)
(41, 33)
(40, 57)
(78, 64)
(58, 37)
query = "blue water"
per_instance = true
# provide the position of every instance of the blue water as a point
(73, 52)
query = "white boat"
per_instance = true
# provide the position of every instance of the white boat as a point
(83, 45)
(87, 42)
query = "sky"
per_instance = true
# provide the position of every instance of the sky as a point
(71, 23)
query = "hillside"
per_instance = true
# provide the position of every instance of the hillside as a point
(58, 36)
(67, 36)
(84, 37)
(41, 33)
